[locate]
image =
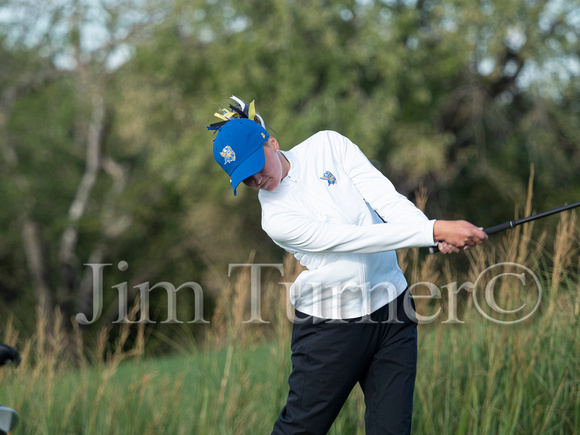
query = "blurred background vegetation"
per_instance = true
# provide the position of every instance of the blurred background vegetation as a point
(104, 155)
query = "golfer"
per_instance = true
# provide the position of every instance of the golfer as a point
(325, 203)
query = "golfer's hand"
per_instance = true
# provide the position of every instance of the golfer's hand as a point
(456, 235)
(446, 248)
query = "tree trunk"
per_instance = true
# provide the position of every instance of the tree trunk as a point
(66, 256)
(37, 265)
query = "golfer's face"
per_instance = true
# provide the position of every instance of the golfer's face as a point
(270, 176)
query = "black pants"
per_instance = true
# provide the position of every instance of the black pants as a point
(330, 357)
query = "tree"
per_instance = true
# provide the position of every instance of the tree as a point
(61, 183)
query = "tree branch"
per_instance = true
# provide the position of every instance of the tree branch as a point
(77, 209)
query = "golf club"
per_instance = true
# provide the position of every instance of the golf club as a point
(514, 223)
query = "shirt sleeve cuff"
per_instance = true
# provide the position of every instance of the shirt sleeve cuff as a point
(429, 238)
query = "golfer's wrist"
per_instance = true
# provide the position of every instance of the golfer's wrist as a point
(440, 230)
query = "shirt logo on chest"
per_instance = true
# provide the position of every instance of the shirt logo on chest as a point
(328, 176)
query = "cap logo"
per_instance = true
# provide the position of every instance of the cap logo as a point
(228, 154)
(328, 176)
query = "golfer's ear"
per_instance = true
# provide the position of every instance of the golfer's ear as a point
(273, 143)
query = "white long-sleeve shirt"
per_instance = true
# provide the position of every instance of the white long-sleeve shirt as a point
(325, 213)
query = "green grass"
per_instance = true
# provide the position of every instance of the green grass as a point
(473, 378)
(161, 395)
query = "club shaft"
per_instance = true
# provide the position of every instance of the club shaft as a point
(545, 213)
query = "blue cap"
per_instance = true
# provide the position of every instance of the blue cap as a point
(238, 149)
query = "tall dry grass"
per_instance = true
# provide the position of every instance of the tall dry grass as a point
(475, 376)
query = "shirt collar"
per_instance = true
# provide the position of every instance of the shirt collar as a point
(294, 172)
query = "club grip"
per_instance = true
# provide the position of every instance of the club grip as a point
(498, 228)
(488, 231)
